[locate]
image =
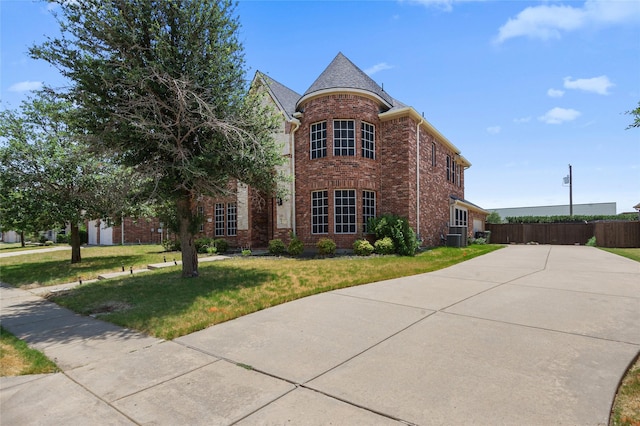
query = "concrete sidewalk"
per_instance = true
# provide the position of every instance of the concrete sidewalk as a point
(526, 335)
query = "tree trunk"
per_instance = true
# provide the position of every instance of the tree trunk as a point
(22, 244)
(75, 243)
(187, 244)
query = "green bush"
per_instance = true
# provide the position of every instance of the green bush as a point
(478, 241)
(48, 243)
(277, 247)
(592, 242)
(296, 247)
(571, 219)
(212, 250)
(221, 245)
(202, 244)
(171, 245)
(326, 246)
(398, 229)
(362, 248)
(384, 246)
(63, 238)
(246, 252)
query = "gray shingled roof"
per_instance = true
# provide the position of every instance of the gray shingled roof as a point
(342, 73)
(286, 97)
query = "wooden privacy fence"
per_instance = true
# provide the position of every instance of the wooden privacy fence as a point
(608, 234)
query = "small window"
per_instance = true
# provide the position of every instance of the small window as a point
(319, 140)
(368, 141)
(448, 168)
(433, 153)
(368, 208)
(459, 217)
(201, 217)
(319, 212)
(219, 219)
(345, 211)
(344, 138)
(232, 220)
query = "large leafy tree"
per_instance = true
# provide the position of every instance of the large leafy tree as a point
(48, 178)
(162, 87)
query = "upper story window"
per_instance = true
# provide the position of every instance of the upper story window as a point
(319, 212)
(344, 137)
(433, 153)
(201, 217)
(345, 211)
(448, 168)
(319, 140)
(368, 141)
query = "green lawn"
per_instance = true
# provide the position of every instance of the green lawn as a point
(631, 253)
(163, 304)
(55, 267)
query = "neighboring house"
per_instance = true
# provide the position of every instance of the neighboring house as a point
(353, 152)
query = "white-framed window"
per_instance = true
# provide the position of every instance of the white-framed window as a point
(459, 217)
(344, 211)
(344, 138)
(368, 208)
(318, 139)
(459, 174)
(368, 140)
(201, 217)
(232, 219)
(320, 212)
(218, 214)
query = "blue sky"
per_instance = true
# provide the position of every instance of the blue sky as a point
(522, 88)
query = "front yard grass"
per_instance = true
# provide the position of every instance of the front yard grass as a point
(50, 268)
(17, 359)
(630, 253)
(163, 304)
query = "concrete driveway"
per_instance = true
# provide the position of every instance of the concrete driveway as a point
(526, 335)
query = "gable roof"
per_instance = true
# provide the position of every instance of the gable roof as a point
(343, 74)
(284, 97)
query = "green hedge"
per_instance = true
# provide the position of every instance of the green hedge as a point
(570, 219)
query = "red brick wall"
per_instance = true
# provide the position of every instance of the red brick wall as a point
(334, 172)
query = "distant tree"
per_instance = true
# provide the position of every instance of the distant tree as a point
(494, 217)
(47, 176)
(162, 88)
(636, 114)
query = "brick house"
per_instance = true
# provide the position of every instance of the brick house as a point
(352, 152)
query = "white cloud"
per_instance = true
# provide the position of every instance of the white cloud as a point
(550, 21)
(559, 115)
(378, 67)
(522, 120)
(599, 85)
(446, 5)
(25, 86)
(494, 130)
(554, 93)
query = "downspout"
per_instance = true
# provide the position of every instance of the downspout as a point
(418, 177)
(292, 149)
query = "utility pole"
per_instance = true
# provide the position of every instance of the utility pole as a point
(570, 191)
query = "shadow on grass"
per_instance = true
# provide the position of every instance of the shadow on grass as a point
(165, 305)
(56, 271)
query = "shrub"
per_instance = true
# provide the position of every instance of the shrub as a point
(592, 242)
(362, 248)
(296, 247)
(478, 241)
(212, 250)
(246, 252)
(63, 238)
(398, 229)
(221, 245)
(384, 246)
(326, 246)
(48, 243)
(171, 245)
(277, 247)
(43, 239)
(202, 244)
